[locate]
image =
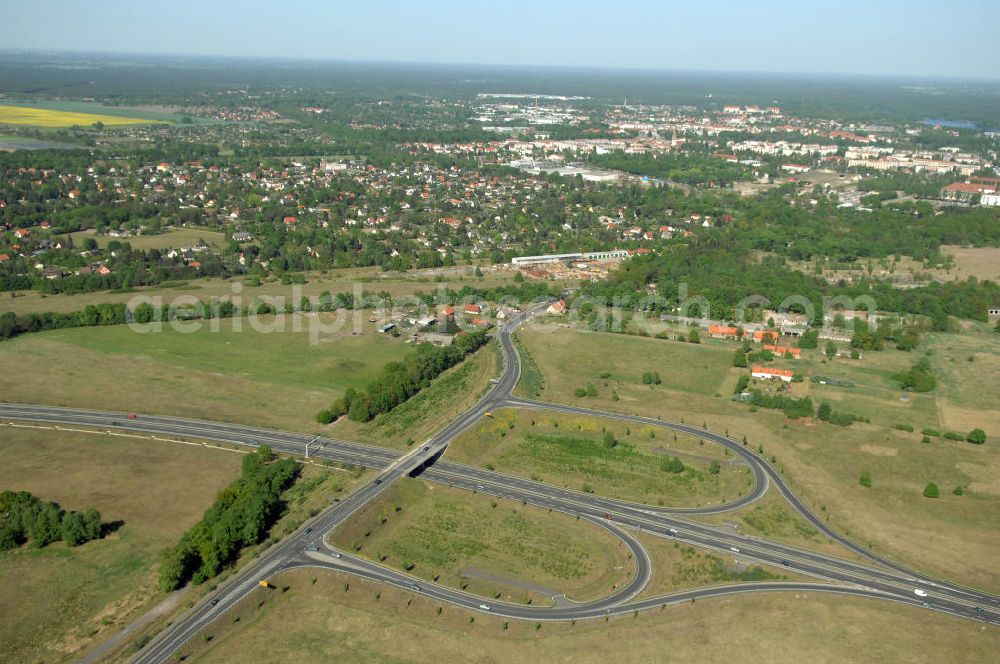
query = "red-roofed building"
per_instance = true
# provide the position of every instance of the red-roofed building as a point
(473, 309)
(978, 179)
(290, 221)
(784, 350)
(557, 308)
(4, 258)
(966, 190)
(723, 332)
(765, 335)
(767, 373)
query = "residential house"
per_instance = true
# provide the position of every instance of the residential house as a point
(767, 373)
(723, 332)
(764, 335)
(557, 308)
(782, 351)
(505, 313)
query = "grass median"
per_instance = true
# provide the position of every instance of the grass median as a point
(491, 547)
(636, 463)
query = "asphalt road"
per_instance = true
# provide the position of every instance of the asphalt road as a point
(882, 579)
(658, 522)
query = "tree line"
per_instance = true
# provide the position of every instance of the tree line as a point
(241, 515)
(13, 325)
(724, 270)
(398, 381)
(24, 518)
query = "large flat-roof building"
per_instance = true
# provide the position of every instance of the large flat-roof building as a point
(613, 254)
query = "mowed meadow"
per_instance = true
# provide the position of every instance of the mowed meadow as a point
(495, 548)
(371, 622)
(59, 601)
(276, 379)
(954, 536)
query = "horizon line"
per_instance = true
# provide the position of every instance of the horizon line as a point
(512, 66)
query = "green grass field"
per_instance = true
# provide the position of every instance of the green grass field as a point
(316, 620)
(623, 359)
(570, 451)
(953, 536)
(171, 239)
(275, 379)
(677, 566)
(491, 547)
(59, 600)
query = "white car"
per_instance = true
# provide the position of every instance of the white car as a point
(733, 548)
(484, 607)
(919, 593)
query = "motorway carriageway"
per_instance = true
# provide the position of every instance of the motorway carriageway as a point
(661, 522)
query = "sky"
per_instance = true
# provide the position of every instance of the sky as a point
(881, 37)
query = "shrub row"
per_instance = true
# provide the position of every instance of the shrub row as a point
(398, 381)
(793, 408)
(241, 515)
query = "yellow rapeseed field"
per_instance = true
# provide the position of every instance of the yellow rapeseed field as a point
(41, 117)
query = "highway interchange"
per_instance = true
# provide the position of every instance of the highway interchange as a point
(876, 578)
